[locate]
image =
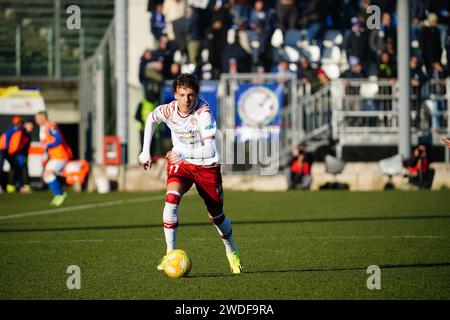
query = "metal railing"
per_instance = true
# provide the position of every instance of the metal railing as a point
(365, 111)
(290, 130)
(97, 99)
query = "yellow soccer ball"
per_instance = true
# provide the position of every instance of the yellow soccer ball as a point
(177, 264)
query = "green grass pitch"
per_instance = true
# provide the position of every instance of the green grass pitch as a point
(314, 245)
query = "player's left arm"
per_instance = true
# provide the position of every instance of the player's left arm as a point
(208, 129)
(56, 134)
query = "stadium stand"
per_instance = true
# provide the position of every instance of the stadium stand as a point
(339, 27)
(30, 27)
(337, 43)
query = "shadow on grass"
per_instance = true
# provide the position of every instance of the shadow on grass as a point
(385, 266)
(196, 224)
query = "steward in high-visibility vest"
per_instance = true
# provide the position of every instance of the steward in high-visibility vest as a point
(145, 107)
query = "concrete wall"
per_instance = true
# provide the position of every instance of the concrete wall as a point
(139, 39)
(359, 176)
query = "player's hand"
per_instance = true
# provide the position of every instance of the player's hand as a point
(446, 141)
(173, 157)
(145, 160)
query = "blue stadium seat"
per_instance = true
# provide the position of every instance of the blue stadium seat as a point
(332, 38)
(331, 55)
(313, 54)
(293, 38)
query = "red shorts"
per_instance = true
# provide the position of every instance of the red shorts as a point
(207, 179)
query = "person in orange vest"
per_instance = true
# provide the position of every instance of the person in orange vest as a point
(58, 154)
(300, 168)
(419, 172)
(11, 142)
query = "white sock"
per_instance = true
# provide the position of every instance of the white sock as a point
(170, 219)
(225, 233)
(171, 236)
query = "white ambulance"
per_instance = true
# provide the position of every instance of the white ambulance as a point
(24, 103)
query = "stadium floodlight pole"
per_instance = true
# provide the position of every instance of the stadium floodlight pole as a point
(57, 36)
(121, 72)
(404, 130)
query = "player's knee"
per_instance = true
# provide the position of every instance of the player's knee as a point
(173, 197)
(48, 176)
(217, 218)
(170, 214)
(215, 208)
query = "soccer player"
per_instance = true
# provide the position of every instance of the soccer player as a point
(58, 154)
(192, 160)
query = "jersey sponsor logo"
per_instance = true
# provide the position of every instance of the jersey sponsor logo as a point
(189, 137)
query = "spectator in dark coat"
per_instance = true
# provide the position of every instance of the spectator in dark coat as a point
(262, 24)
(379, 37)
(217, 38)
(145, 58)
(238, 55)
(262, 16)
(198, 23)
(418, 15)
(347, 10)
(356, 70)
(158, 24)
(306, 73)
(437, 87)
(242, 11)
(430, 44)
(287, 14)
(313, 19)
(418, 78)
(164, 53)
(357, 43)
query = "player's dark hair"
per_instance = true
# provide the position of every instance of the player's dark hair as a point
(186, 80)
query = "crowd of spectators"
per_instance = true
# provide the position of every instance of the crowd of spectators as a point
(210, 37)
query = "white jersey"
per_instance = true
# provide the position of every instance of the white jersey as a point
(189, 131)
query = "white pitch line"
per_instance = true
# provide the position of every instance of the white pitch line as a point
(242, 238)
(83, 207)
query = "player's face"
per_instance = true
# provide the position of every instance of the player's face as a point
(40, 119)
(186, 98)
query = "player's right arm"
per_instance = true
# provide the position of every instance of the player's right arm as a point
(446, 141)
(154, 118)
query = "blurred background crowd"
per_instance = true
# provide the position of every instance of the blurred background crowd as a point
(210, 37)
